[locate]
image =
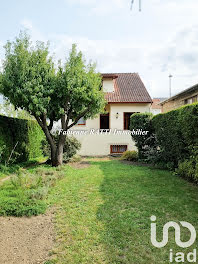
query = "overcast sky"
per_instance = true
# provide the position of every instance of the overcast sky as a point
(160, 40)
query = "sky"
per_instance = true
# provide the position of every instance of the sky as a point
(159, 41)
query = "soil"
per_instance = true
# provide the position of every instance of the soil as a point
(26, 240)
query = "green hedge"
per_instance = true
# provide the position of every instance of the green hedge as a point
(27, 133)
(177, 133)
(144, 142)
(172, 138)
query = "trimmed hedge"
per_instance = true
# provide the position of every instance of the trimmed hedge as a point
(172, 138)
(27, 133)
(177, 133)
(144, 142)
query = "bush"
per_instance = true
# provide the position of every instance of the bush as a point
(144, 143)
(189, 168)
(72, 145)
(26, 180)
(172, 140)
(20, 136)
(130, 155)
(176, 134)
(18, 204)
(24, 194)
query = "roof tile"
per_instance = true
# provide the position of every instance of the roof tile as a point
(129, 88)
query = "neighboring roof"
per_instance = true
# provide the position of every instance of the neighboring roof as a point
(155, 104)
(186, 91)
(161, 98)
(129, 88)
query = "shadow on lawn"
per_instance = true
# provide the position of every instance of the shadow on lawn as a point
(131, 195)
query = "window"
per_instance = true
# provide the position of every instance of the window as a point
(104, 121)
(188, 101)
(127, 120)
(81, 122)
(118, 149)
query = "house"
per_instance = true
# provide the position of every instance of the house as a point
(156, 108)
(185, 97)
(108, 133)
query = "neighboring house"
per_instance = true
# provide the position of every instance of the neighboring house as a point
(156, 108)
(125, 94)
(185, 97)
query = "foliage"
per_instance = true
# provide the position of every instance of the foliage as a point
(30, 82)
(72, 145)
(189, 168)
(172, 139)
(130, 155)
(17, 204)
(25, 193)
(21, 139)
(176, 134)
(144, 143)
(2, 149)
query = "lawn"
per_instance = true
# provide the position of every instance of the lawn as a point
(103, 213)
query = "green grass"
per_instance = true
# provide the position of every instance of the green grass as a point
(103, 213)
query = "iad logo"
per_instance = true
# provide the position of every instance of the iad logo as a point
(179, 257)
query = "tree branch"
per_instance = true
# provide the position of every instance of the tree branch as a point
(51, 124)
(77, 118)
(43, 124)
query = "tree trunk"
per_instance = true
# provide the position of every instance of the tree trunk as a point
(57, 156)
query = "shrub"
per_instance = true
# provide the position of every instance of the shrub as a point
(189, 168)
(144, 143)
(18, 204)
(38, 194)
(72, 145)
(24, 194)
(176, 134)
(130, 155)
(25, 135)
(172, 139)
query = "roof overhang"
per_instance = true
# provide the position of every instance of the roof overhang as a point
(189, 90)
(109, 75)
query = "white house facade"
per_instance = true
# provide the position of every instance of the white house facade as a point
(109, 133)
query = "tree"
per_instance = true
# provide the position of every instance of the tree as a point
(31, 82)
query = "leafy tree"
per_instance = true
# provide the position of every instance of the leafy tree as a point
(30, 81)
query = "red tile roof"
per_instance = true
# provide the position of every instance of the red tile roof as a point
(129, 88)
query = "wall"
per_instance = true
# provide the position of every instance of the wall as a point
(99, 145)
(108, 85)
(121, 108)
(177, 102)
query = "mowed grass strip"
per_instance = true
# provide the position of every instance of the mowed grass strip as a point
(103, 213)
